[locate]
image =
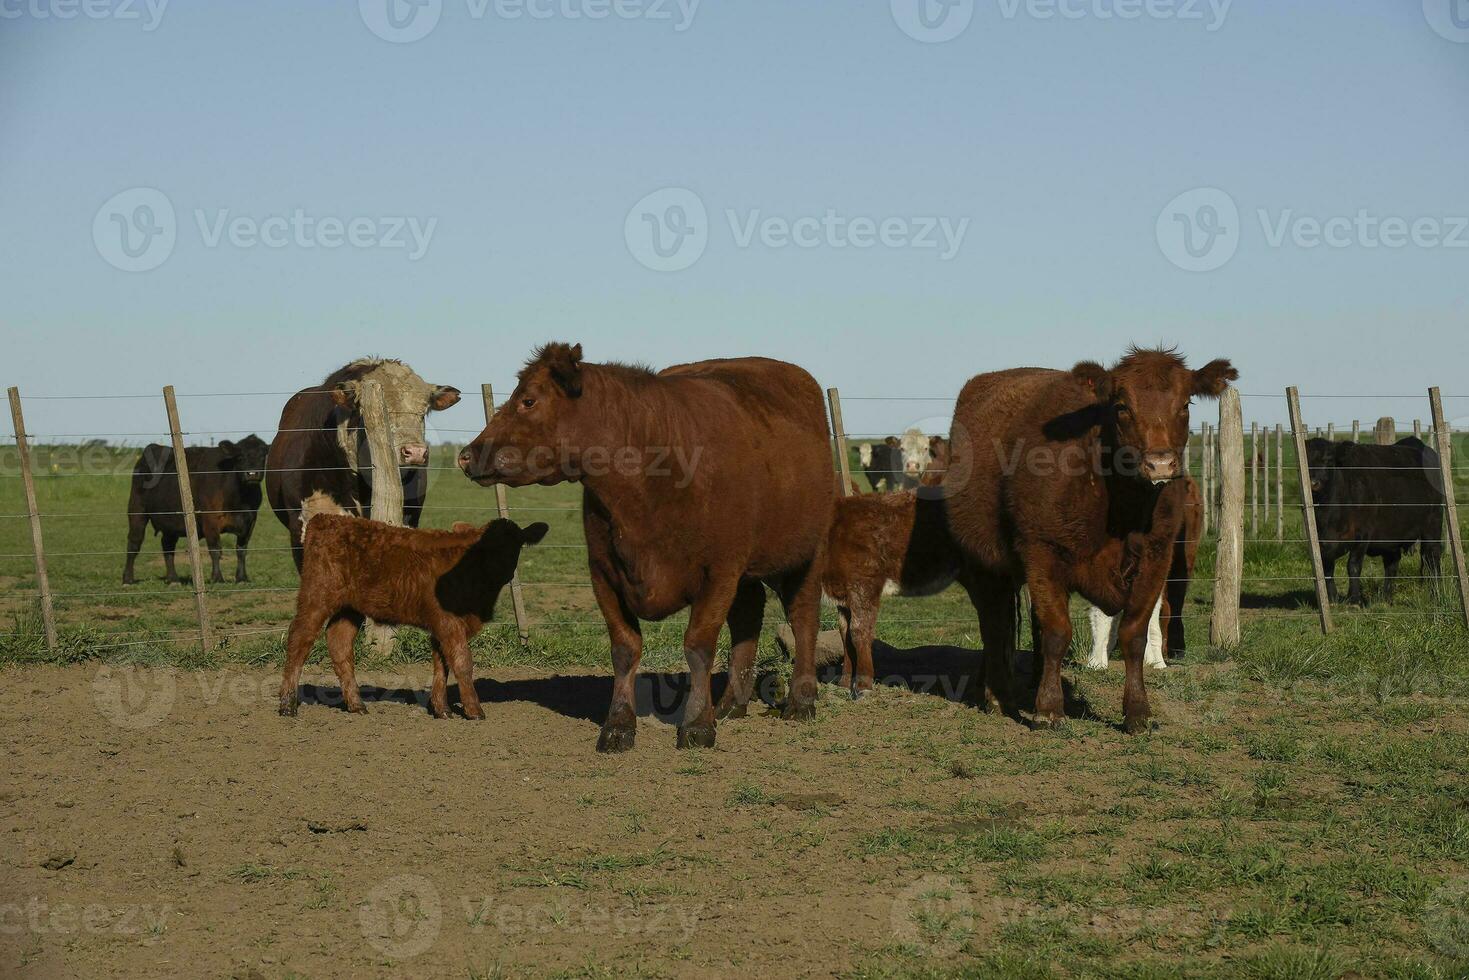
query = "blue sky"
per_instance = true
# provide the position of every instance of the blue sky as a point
(1056, 138)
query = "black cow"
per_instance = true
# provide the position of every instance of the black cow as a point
(226, 484)
(883, 464)
(1376, 500)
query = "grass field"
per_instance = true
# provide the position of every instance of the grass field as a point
(1302, 810)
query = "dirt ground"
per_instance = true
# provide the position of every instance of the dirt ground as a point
(161, 822)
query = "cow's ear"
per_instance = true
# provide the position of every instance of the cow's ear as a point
(444, 396)
(564, 364)
(533, 533)
(345, 395)
(230, 449)
(1095, 378)
(1211, 379)
(462, 526)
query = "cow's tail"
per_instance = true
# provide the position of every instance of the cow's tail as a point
(319, 502)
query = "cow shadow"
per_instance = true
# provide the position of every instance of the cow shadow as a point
(1295, 599)
(945, 672)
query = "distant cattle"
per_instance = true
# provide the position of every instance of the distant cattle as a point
(225, 480)
(938, 462)
(446, 582)
(883, 464)
(322, 447)
(914, 446)
(1378, 501)
(671, 517)
(1068, 482)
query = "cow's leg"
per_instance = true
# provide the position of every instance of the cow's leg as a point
(1052, 605)
(706, 618)
(849, 656)
(862, 627)
(994, 600)
(620, 730)
(212, 539)
(1102, 626)
(1329, 555)
(137, 530)
(800, 595)
(1432, 555)
(169, 542)
(1390, 565)
(455, 647)
(746, 616)
(341, 633)
(1153, 656)
(242, 545)
(438, 695)
(303, 632)
(1355, 559)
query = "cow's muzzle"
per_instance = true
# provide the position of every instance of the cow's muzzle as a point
(413, 455)
(471, 463)
(1161, 467)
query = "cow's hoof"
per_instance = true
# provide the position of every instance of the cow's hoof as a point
(476, 716)
(1137, 726)
(799, 711)
(616, 739)
(1047, 724)
(696, 737)
(241, 581)
(357, 709)
(440, 713)
(861, 692)
(288, 707)
(731, 710)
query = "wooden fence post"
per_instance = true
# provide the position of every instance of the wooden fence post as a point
(1445, 438)
(839, 434)
(1254, 479)
(1386, 431)
(191, 523)
(1417, 428)
(1331, 432)
(1308, 506)
(1265, 472)
(1208, 464)
(387, 483)
(1356, 430)
(502, 506)
(1279, 482)
(38, 550)
(1224, 626)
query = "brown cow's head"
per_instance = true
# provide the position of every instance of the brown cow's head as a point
(1147, 395)
(528, 439)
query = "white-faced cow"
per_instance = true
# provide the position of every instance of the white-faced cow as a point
(322, 445)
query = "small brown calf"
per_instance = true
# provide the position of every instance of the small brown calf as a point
(445, 582)
(883, 544)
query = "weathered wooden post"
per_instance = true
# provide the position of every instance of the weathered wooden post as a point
(1386, 431)
(1279, 482)
(502, 507)
(1417, 428)
(1356, 430)
(1331, 432)
(38, 549)
(1265, 472)
(387, 483)
(1208, 463)
(839, 437)
(1445, 439)
(1254, 479)
(1308, 506)
(191, 524)
(1224, 626)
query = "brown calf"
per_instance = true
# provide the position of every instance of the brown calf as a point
(883, 544)
(445, 582)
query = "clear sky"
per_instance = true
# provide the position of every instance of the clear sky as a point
(520, 138)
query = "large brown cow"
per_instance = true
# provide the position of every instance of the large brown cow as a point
(671, 516)
(1068, 481)
(322, 447)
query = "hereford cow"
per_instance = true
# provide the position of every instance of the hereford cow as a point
(671, 517)
(322, 446)
(1381, 501)
(225, 480)
(914, 447)
(1166, 623)
(879, 545)
(938, 462)
(445, 582)
(1068, 481)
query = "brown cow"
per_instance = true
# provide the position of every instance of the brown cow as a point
(938, 462)
(445, 582)
(883, 544)
(671, 516)
(1067, 481)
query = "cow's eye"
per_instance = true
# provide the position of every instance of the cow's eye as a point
(527, 403)
(1123, 411)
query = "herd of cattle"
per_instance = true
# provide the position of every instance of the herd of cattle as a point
(1062, 482)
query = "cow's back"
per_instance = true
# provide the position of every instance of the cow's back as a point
(305, 457)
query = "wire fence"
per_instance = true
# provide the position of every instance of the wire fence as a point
(1273, 487)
